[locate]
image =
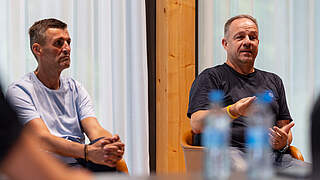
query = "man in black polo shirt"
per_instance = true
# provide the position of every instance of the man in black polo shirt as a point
(240, 82)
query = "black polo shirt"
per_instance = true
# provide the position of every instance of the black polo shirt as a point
(237, 86)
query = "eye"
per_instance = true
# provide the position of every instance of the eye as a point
(239, 37)
(69, 41)
(58, 43)
(254, 37)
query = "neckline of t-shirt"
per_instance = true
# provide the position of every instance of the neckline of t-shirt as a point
(242, 75)
(41, 84)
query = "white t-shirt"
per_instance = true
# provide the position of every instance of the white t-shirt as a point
(61, 110)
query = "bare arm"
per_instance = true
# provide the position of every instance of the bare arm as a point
(237, 109)
(197, 119)
(26, 161)
(93, 129)
(49, 142)
(53, 143)
(113, 148)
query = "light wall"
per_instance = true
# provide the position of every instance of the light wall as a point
(288, 35)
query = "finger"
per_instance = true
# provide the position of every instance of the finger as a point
(111, 157)
(245, 105)
(118, 144)
(275, 144)
(275, 134)
(114, 158)
(246, 99)
(115, 138)
(110, 163)
(110, 148)
(120, 152)
(287, 127)
(249, 100)
(108, 138)
(115, 153)
(272, 138)
(104, 142)
(281, 132)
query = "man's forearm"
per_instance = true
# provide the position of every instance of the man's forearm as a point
(35, 164)
(100, 132)
(197, 119)
(93, 129)
(61, 146)
(53, 143)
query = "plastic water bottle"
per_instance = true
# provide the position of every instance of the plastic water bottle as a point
(259, 151)
(216, 140)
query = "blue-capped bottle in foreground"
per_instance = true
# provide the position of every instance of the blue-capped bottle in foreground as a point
(216, 139)
(260, 119)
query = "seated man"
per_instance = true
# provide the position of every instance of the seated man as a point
(58, 109)
(19, 156)
(240, 82)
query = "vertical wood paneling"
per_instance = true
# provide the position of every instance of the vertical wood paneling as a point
(175, 72)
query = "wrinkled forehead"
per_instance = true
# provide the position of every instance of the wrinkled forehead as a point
(243, 25)
(56, 33)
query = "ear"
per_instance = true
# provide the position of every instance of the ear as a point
(224, 43)
(36, 49)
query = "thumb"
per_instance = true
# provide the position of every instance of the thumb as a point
(287, 127)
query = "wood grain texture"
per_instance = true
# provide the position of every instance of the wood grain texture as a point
(175, 73)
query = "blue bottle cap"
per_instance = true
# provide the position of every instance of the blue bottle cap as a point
(216, 95)
(265, 97)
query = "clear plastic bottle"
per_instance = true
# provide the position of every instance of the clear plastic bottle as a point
(216, 140)
(260, 119)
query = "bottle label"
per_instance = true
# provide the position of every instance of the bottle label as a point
(214, 137)
(257, 137)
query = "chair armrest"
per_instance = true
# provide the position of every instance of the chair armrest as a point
(122, 166)
(296, 153)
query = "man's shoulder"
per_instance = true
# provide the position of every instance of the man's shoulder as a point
(25, 83)
(268, 74)
(218, 69)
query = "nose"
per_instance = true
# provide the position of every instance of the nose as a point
(66, 48)
(247, 42)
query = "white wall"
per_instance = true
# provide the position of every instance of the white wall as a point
(287, 47)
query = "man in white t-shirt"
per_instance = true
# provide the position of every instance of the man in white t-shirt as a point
(58, 109)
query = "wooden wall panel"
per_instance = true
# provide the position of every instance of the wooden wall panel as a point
(175, 72)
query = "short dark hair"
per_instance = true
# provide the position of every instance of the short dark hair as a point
(228, 23)
(38, 29)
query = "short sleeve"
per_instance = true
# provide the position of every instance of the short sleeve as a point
(83, 102)
(198, 97)
(21, 100)
(284, 113)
